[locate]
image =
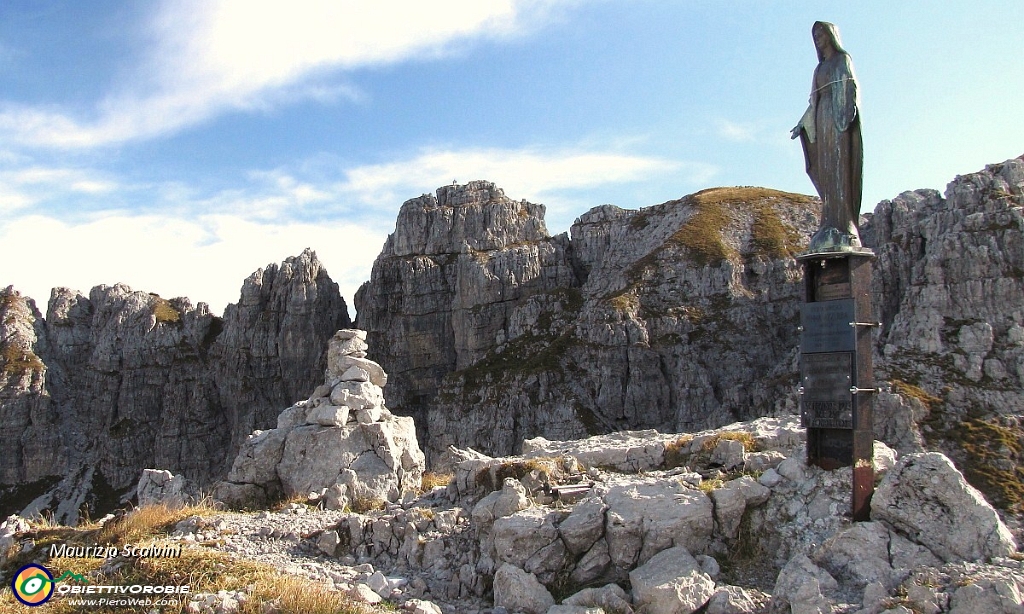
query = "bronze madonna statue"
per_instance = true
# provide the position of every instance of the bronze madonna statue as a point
(830, 135)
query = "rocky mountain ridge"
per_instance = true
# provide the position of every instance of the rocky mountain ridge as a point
(679, 316)
(119, 380)
(622, 323)
(683, 316)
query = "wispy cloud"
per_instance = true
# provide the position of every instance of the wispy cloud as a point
(202, 244)
(23, 186)
(527, 173)
(204, 258)
(206, 57)
(737, 131)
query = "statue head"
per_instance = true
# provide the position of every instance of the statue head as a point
(826, 35)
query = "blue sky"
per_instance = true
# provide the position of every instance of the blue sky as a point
(179, 146)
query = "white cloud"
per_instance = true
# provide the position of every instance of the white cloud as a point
(205, 259)
(204, 245)
(24, 186)
(737, 131)
(525, 173)
(205, 57)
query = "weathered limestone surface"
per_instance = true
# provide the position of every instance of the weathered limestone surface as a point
(119, 380)
(447, 281)
(928, 499)
(949, 286)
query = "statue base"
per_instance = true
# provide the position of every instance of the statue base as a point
(837, 386)
(832, 240)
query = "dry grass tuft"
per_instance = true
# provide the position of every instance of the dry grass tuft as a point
(676, 452)
(706, 486)
(701, 235)
(909, 390)
(19, 360)
(432, 480)
(204, 570)
(146, 522)
(749, 443)
(365, 505)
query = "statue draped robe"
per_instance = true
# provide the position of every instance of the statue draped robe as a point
(834, 152)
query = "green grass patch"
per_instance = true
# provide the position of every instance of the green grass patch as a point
(701, 235)
(626, 301)
(163, 310)
(522, 356)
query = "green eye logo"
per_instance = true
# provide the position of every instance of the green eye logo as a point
(32, 585)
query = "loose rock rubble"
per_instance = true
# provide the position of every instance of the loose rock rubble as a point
(731, 521)
(682, 536)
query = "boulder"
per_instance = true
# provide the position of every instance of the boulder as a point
(927, 499)
(731, 501)
(869, 552)
(995, 591)
(328, 415)
(799, 571)
(158, 487)
(529, 540)
(730, 600)
(610, 598)
(629, 451)
(646, 517)
(519, 591)
(338, 363)
(671, 582)
(592, 565)
(584, 525)
(509, 500)
(258, 457)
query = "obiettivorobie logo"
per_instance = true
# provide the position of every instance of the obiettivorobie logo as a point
(33, 584)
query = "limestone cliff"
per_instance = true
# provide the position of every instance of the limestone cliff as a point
(120, 380)
(950, 282)
(678, 316)
(446, 285)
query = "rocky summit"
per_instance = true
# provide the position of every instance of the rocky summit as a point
(599, 421)
(120, 380)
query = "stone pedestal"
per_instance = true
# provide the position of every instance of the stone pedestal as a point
(837, 387)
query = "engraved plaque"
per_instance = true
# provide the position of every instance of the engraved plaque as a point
(835, 448)
(826, 327)
(832, 281)
(829, 292)
(826, 401)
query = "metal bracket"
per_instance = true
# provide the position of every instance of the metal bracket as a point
(855, 390)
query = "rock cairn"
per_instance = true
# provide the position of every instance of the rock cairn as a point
(342, 444)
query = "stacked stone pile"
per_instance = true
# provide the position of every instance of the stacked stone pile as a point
(342, 444)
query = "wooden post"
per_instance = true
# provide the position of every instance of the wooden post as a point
(837, 386)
